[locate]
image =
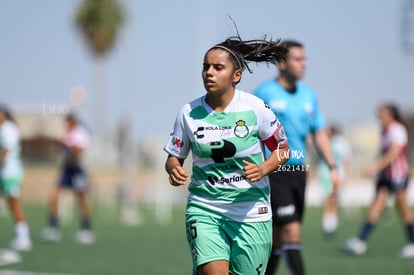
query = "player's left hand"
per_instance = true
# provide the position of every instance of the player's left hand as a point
(336, 181)
(370, 171)
(252, 172)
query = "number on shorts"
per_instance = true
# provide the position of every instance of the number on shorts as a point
(258, 269)
(192, 230)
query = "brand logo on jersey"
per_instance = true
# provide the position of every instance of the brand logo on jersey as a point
(198, 132)
(222, 149)
(177, 142)
(241, 130)
(281, 135)
(232, 179)
(212, 128)
(213, 179)
(263, 210)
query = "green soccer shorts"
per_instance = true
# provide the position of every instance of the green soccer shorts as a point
(10, 187)
(245, 245)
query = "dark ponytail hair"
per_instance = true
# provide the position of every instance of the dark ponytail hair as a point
(258, 50)
(5, 110)
(395, 113)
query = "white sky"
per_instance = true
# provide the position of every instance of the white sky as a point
(355, 59)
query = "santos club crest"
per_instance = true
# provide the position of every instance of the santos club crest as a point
(241, 130)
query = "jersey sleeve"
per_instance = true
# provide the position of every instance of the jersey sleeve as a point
(398, 135)
(81, 138)
(270, 129)
(178, 144)
(10, 138)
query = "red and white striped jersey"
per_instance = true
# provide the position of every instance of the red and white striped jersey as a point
(395, 134)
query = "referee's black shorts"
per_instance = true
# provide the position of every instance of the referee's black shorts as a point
(287, 196)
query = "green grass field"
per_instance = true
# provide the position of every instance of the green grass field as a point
(162, 249)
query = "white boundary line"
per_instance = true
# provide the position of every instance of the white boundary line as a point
(8, 256)
(15, 272)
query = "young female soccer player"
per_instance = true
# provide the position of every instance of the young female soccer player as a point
(342, 152)
(392, 172)
(228, 214)
(74, 142)
(11, 177)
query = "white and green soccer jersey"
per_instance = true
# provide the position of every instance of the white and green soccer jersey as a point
(219, 142)
(10, 140)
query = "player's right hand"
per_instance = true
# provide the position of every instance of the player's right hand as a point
(178, 176)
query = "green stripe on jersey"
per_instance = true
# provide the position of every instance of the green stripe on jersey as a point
(231, 194)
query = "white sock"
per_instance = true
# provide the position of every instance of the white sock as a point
(329, 223)
(22, 230)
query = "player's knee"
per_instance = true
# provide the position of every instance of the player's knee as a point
(291, 232)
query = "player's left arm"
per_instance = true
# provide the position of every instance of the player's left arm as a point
(278, 157)
(8, 143)
(322, 142)
(384, 160)
(347, 161)
(277, 144)
(3, 154)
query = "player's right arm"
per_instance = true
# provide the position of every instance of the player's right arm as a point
(3, 154)
(177, 174)
(177, 147)
(9, 141)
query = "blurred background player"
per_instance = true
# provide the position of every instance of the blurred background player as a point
(11, 177)
(297, 108)
(342, 152)
(73, 144)
(391, 170)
